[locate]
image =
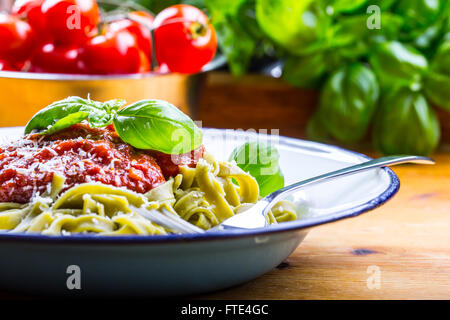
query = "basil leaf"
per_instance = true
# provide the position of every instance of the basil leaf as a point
(347, 6)
(437, 89)
(395, 63)
(157, 125)
(270, 183)
(352, 39)
(441, 60)
(236, 44)
(260, 160)
(305, 71)
(64, 113)
(406, 124)
(419, 13)
(437, 81)
(104, 113)
(66, 122)
(348, 101)
(237, 31)
(298, 26)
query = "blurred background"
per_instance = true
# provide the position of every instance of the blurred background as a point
(367, 74)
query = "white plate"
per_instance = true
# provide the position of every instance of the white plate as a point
(186, 264)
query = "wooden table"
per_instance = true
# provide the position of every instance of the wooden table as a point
(407, 240)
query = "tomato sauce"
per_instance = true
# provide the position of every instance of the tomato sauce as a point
(81, 154)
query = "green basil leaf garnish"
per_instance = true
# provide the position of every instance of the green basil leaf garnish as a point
(62, 114)
(157, 125)
(260, 159)
(66, 122)
(148, 124)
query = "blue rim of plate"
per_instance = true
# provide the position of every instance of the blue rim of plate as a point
(296, 225)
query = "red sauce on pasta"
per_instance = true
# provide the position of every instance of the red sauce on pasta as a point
(81, 154)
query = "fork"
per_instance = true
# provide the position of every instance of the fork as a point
(256, 216)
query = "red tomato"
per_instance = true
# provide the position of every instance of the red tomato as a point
(184, 39)
(55, 59)
(31, 11)
(5, 66)
(71, 21)
(142, 33)
(113, 53)
(16, 39)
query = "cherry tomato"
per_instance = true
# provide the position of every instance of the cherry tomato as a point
(52, 58)
(184, 39)
(142, 33)
(115, 52)
(6, 66)
(71, 21)
(31, 11)
(16, 39)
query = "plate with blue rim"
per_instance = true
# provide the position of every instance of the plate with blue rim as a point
(184, 264)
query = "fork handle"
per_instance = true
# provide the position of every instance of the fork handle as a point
(275, 196)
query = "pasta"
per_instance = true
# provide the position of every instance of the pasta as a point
(205, 195)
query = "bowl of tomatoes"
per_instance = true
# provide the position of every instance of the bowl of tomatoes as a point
(106, 49)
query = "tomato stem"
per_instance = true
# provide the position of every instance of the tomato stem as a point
(197, 30)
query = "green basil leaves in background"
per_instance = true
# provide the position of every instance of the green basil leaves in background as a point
(396, 63)
(437, 89)
(406, 124)
(305, 71)
(297, 26)
(437, 81)
(157, 125)
(62, 114)
(347, 102)
(347, 6)
(148, 124)
(419, 13)
(316, 39)
(260, 159)
(235, 24)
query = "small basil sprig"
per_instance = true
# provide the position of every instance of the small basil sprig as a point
(157, 125)
(260, 159)
(62, 114)
(148, 124)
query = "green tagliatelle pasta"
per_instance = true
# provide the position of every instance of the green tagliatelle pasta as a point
(204, 196)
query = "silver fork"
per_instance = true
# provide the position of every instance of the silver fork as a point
(256, 216)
